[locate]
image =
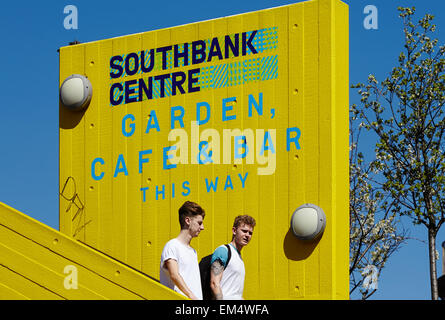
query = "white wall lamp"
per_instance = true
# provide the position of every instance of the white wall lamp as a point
(76, 92)
(308, 222)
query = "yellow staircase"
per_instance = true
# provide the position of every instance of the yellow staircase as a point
(38, 262)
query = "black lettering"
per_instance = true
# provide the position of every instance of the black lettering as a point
(164, 51)
(116, 67)
(200, 51)
(184, 55)
(120, 97)
(248, 43)
(129, 91)
(215, 50)
(152, 61)
(178, 83)
(192, 80)
(161, 79)
(144, 90)
(233, 47)
(135, 58)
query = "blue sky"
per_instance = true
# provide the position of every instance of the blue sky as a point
(32, 32)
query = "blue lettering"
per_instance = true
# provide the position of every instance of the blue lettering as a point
(228, 183)
(178, 118)
(160, 192)
(143, 160)
(238, 146)
(144, 189)
(203, 146)
(243, 180)
(93, 167)
(258, 106)
(120, 162)
(152, 122)
(265, 147)
(198, 112)
(226, 108)
(132, 125)
(168, 156)
(185, 186)
(211, 185)
(294, 139)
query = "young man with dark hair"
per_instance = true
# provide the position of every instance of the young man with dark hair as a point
(179, 269)
(227, 277)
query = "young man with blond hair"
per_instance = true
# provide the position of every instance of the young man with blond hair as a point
(179, 269)
(227, 276)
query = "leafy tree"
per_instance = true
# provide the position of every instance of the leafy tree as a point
(406, 112)
(375, 233)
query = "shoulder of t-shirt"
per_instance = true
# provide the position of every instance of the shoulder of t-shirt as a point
(170, 247)
(178, 245)
(221, 253)
(171, 243)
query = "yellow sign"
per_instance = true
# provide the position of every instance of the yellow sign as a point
(246, 114)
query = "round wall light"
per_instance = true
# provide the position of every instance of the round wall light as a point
(76, 92)
(308, 222)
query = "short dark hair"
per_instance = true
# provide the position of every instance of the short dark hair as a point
(189, 209)
(246, 219)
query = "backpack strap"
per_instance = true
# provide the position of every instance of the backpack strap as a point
(229, 255)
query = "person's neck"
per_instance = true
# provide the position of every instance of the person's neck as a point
(184, 237)
(237, 246)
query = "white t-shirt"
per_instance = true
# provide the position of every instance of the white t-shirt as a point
(187, 265)
(232, 281)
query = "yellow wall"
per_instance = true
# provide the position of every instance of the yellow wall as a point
(37, 262)
(309, 90)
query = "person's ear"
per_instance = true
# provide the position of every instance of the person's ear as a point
(187, 221)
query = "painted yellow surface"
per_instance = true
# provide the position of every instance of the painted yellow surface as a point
(102, 201)
(38, 262)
